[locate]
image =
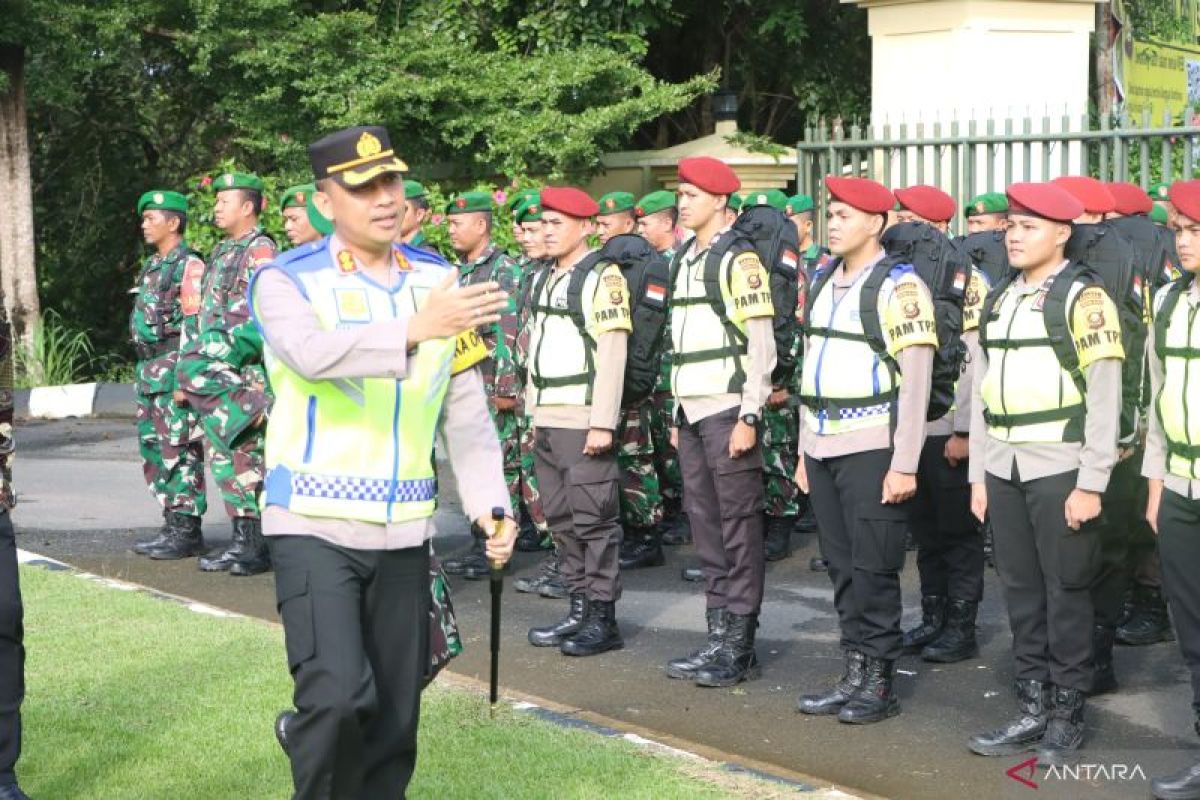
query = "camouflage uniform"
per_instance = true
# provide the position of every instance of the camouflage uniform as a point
(167, 299)
(780, 439)
(529, 270)
(666, 460)
(222, 372)
(641, 494)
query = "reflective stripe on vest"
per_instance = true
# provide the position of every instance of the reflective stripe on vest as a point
(561, 361)
(361, 448)
(845, 385)
(706, 355)
(1027, 396)
(1178, 402)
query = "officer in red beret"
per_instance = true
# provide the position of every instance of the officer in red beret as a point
(576, 376)
(862, 426)
(1172, 461)
(1046, 414)
(925, 204)
(723, 355)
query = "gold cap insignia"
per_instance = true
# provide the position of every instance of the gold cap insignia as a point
(368, 146)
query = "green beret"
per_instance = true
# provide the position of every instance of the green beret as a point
(797, 204)
(237, 180)
(529, 209)
(413, 190)
(297, 196)
(520, 196)
(616, 202)
(470, 201)
(1159, 214)
(734, 202)
(654, 202)
(1159, 191)
(162, 200)
(987, 203)
(321, 223)
(771, 197)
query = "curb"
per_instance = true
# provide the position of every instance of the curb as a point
(98, 400)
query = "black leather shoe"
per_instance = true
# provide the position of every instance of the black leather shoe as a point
(685, 668)
(876, 699)
(599, 633)
(553, 635)
(184, 539)
(255, 558)
(933, 619)
(778, 542)
(1023, 733)
(832, 701)
(12, 791)
(1104, 678)
(1148, 622)
(144, 546)
(957, 639)
(692, 574)
(818, 564)
(735, 660)
(1182, 785)
(677, 531)
(281, 729)
(644, 549)
(225, 560)
(1064, 730)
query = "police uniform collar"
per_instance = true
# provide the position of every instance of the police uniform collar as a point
(1022, 286)
(574, 264)
(346, 263)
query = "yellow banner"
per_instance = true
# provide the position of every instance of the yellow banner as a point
(1161, 77)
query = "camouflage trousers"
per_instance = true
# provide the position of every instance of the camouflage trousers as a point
(509, 433)
(641, 494)
(780, 437)
(172, 460)
(530, 497)
(666, 460)
(238, 470)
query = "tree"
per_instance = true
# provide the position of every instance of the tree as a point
(18, 276)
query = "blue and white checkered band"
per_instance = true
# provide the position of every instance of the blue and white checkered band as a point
(338, 487)
(866, 411)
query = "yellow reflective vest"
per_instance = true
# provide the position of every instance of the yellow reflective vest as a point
(1177, 345)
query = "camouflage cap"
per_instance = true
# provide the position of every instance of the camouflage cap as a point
(529, 209)
(468, 202)
(163, 200)
(297, 196)
(237, 180)
(797, 204)
(413, 190)
(1159, 214)
(987, 203)
(771, 197)
(616, 202)
(654, 202)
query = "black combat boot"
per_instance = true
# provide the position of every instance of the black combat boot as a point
(832, 701)
(1148, 623)
(957, 640)
(933, 619)
(1182, 785)
(1104, 679)
(1023, 733)
(686, 667)
(735, 660)
(555, 585)
(599, 633)
(474, 560)
(281, 729)
(224, 561)
(778, 544)
(692, 574)
(644, 550)
(255, 558)
(876, 699)
(1064, 730)
(553, 635)
(184, 539)
(144, 546)
(546, 570)
(678, 531)
(529, 540)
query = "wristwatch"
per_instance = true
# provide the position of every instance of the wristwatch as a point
(750, 419)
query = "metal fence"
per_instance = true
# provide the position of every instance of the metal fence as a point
(966, 159)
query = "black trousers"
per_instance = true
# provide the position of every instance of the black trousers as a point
(356, 624)
(723, 498)
(863, 541)
(949, 541)
(1179, 544)
(1047, 571)
(12, 653)
(1126, 539)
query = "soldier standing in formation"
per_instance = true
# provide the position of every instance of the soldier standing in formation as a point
(222, 376)
(296, 222)
(168, 299)
(987, 212)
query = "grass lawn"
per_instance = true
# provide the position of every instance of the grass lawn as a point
(132, 697)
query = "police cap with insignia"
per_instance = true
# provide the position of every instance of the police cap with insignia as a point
(162, 200)
(468, 202)
(297, 196)
(798, 204)
(354, 156)
(1093, 193)
(616, 202)
(654, 202)
(1045, 200)
(237, 180)
(986, 203)
(927, 202)
(861, 193)
(1131, 198)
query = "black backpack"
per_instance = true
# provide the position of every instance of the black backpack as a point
(1172, 267)
(773, 236)
(1151, 251)
(648, 276)
(987, 251)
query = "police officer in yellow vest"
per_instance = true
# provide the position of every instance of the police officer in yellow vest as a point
(1043, 444)
(1172, 461)
(579, 329)
(723, 355)
(366, 370)
(863, 405)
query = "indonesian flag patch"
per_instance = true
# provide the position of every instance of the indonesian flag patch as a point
(790, 258)
(960, 281)
(656, 293)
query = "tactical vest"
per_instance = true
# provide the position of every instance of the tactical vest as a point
(358, 448)
(562, 358)
(1177, 345)
(707, 348)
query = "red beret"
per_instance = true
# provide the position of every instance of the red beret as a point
(1185, 196)
(1044, 200)
(927, 202)
(709, 174)
(1131, 198)
(862, 193)
(1093, 193)
(569, 200)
